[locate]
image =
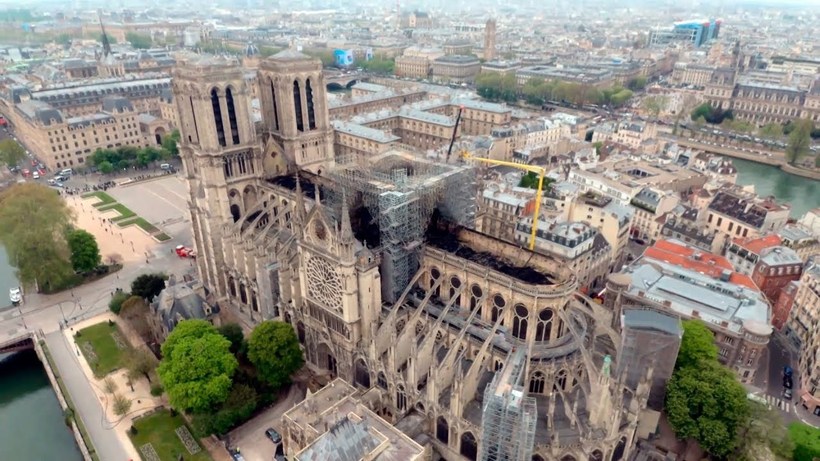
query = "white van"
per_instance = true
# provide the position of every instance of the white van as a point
(165, 166)
(35, 175)
(66, 172)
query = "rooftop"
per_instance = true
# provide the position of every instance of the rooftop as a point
(481, 105)
(681, 255)
(756, 245)
(780, 256)
(364, 132)
(745, 209)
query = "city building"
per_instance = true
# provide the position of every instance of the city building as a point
(775, 269)
(412, 66)
(373, 263)
(651, 207)
(694, 33)
(610, 217)
(801, 330)
(782, 308)
(632, 134)
(690, 73)
(734, 213)
(489, 40)
(455, 68)
(180, 300)
(744, 253)
(673, 278)
(800, 239)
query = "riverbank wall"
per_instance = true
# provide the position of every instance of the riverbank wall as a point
(68, 411)
(775, 160)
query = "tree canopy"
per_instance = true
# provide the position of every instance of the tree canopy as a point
(704, 400)
(530, 180)
(139, 41)
(806, 441)
(148, 286)
(33, 221)
(763, 431)
(697, 345)
(799, 140)
(197, 366)
(169, 144)
(707, 403)
(654, 104)
(274, 350)
(233, 333)
(378, 65)
(713, 115)
(107, 160)
(637, 83)
(11, 153)
(497, 87)
(85, 254)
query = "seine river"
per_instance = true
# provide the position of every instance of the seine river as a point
(801, 193)
(30, 414)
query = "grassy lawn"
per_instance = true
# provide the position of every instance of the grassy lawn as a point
(104, 356)
(104, 199)
(125, 212)
(158, 430)
(162, 237)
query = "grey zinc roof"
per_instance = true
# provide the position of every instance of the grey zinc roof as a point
(178, 302)
(780, 256)
(427, 117)
(481, 105)
(116, 104)
(376, 88)
(87, 120)
(40, 111)
(641, 319)
(364, 132)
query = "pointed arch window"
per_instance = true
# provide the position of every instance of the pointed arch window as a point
(519, 327)
(537, 383)
(297, 104)
(220, 128)
(232, 115)
(544, 326)
(311, 114)
(275, 106)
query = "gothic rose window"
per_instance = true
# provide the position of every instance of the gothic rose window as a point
(324, 284)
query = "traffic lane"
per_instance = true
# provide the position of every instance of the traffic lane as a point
(779, 358)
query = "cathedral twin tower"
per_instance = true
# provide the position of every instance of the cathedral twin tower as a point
(223, 151)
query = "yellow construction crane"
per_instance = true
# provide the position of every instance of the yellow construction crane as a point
(541, 171)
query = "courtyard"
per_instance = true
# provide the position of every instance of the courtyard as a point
(104, 347)
(161, 436)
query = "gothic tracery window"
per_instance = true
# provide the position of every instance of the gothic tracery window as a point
(544, 326)
(537, 383)
(519, 326)
(498, 307)
(324, 284)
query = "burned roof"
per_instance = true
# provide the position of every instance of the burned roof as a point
(447, 238)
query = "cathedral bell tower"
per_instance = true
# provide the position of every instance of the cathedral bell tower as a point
(294, 109)
(219, 152)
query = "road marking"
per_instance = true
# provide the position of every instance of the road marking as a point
(779, 403)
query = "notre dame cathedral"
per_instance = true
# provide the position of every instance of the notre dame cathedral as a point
(375, 264)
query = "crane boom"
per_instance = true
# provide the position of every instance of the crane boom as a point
(455, 133)
(541, 171)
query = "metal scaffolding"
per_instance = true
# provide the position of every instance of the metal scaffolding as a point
(401, 190)
(508, 416)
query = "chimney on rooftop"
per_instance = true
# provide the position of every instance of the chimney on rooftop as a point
(725, 275)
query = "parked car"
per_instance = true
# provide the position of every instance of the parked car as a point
(235, 454)
(787, 371)
(787, 394)
(787, 382)
(273, 435)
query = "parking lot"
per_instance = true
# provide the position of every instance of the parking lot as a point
(250, 437)
(163, 202)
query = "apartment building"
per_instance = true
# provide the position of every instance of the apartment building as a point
(412, 66)
(776, 268)
(650, 206)
(500, 207)
(579, 246)
(610, 217)
(734, 213)
(801, 329)
(66, 142)
(455, 68)
(677, 279)
(631, 134)
(688, 73)
(800, 239)
(744, 253)
(539, 133)
(343, 109)
(354, 139)
(478, 118)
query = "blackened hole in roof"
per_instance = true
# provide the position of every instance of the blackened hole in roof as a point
(444, 237)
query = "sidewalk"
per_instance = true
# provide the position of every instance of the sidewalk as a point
(127, 244)
(141, 398)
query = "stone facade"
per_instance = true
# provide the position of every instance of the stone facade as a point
(276, 239)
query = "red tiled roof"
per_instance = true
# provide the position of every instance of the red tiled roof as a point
(698, 261)
(758, 244)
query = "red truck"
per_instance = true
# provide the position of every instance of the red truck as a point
(185, 252)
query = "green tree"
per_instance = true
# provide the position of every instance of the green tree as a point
(112, 40)
(654, 104)
(169, 143)
(324, 55)
(141, 362)
(771, 130)
(806, 441)
(33, 220)
(138, 41)
(197, 366)
(63, 39)
(11, 153)
(799, 141)
(105, 167)
(763, 431)
(702, 110)
(379, 65)
(119, 298)
(233, 333)
(817, 161)
(237, 408)
(707, 403)
(274, 350)
(637, 83)
(697, 345)
(135, 312)
(148, 286)
(598, 145)
(122, 405)
(530, 180)
(85, 254)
